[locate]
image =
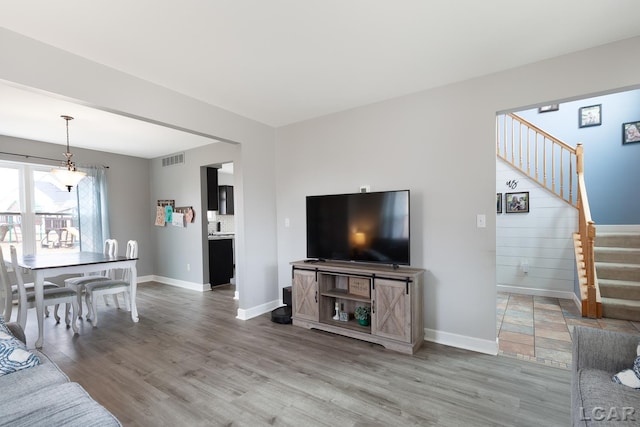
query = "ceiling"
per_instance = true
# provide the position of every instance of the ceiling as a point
(284, 61)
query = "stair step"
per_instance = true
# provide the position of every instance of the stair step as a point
(619, 255)
(614, 308)
(621, 240)
(620, 289)
(618, 271)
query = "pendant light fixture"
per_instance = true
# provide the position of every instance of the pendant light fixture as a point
(68, 175)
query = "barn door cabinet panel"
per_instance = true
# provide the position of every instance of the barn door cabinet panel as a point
(326, 295)
(305, 296)
(391, 310)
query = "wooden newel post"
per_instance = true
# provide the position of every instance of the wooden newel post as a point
(579, 158)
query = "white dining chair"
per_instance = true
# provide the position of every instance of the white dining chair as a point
(53, 296)
(9, 291)
(78, 283)
(118, 285)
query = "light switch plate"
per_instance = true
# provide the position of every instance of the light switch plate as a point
(481, 220)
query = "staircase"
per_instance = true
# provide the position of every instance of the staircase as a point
(558, 168)
(617, 260)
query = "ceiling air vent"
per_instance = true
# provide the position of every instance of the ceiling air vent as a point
(175, 159)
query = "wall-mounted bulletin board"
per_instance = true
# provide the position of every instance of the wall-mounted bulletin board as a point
(168, 213)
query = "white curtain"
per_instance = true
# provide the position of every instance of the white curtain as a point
(93, 209)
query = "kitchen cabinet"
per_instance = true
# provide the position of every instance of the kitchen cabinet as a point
(225, 199)
(212, 189)
(220, 261)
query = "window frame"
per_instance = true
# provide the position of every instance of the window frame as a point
(27, 205)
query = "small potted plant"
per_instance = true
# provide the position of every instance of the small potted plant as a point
(362, 314)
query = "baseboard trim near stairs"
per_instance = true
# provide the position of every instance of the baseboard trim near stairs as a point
(536, 292)
(462, 341)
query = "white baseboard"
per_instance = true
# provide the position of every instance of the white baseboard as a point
(628, 228)
(462, 341)
(242, 313)
(536, 292)
(257, 310)
(142, 279)
(200, 287)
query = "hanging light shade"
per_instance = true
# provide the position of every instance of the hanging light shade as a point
(68, 175)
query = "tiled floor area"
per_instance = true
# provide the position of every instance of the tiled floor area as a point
(539, 328)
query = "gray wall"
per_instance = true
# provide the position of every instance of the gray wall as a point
(32, 64)
(128, 186)
(179, 246)
(440, 144)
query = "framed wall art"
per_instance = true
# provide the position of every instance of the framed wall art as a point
(498, 202)
(547, 108)
(630, 132)
(590, 116)
(516, 202)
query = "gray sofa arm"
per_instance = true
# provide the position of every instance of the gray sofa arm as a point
(601, 349)
(17, 331)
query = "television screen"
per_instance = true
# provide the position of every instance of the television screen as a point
(364, 227)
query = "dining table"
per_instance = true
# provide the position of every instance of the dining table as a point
(57, 264)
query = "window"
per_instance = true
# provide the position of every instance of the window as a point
(37, 213)
(56, 214)
(10, 201)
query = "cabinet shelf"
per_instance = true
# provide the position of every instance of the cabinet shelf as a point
(351, 324)
(397, 321)
(343, 294)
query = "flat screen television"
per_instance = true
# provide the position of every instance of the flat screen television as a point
(361, 227)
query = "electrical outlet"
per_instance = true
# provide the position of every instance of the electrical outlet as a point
(287, 223)
(365, 188)
(188, 267)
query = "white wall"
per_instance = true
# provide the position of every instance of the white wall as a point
(540, 238)
(440, 144)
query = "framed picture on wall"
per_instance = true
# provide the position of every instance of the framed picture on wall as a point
(498, 202)
(516, 202)
(547, 108)
(590, 116)
(630, 132)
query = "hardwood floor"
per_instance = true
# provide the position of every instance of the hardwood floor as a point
(189, 362)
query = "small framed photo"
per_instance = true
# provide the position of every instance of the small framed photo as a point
(630, 132)
(590, 116)
(547, 108)
(344, 316)
(516, 202)
(498, 202)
